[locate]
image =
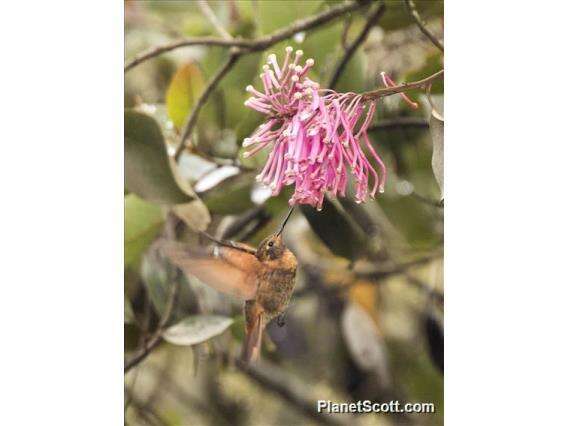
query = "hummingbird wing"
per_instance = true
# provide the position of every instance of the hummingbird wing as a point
(226, 269)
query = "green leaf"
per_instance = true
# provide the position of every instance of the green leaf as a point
(352, 79)
(280, 13)
(146, 164)
(159, 276)
(196, 329)
(338, 233)
(231, 196)
(142, 222)
(396, 15)
(362, 338)
(437, 132)
(184, 89)
(194, 214)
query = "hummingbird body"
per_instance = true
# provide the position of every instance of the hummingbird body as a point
(264, 278)
(276, 280)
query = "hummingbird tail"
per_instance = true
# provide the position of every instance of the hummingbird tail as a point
(253, 341)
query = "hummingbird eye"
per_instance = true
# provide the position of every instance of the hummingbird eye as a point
(270, 243)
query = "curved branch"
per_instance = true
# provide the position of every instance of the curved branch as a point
(251, 45)
(411, 7)
(379, 93)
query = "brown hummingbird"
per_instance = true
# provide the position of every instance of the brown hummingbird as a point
(264, 278)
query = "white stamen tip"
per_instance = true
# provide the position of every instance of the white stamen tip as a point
(297, 95)
(249, 88)
(265, 67)
(381, 190)
(295, 78)
(272, 58)
(298, 68)
(310, 62)
(261, 75)
(289, 49)
(247, 142)
(246, 154)
(299, 52)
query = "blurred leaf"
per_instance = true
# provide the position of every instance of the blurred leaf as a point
(364, 294)
(437, 131)
(396, 16)
(364, 341)
(436, 109)
(320, 43)
(338, 233)
(131, 337)
(194, 214)
(142, 222)
(129, 317)
(184, 89)
(231, 196)
(352, 79)
(238, 327)
(435, 337)
(146, 164)
(196, 329)
(158, 277)
(279, 13)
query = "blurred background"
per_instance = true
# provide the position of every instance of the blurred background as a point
(366, 318)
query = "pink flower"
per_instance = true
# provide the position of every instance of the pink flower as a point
(314, 135)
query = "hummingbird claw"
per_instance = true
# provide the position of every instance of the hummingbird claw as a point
(281, 320)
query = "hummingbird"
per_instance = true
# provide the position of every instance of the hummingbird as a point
(263, 278)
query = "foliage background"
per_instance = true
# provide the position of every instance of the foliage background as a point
(365, 321)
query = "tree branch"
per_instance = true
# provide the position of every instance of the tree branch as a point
(154, 341)
(411, 7)
(251, 45)
(379, 93)
(350, 50)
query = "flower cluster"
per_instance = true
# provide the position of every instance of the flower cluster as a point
(315, 135)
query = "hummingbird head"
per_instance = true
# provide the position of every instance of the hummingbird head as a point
(273, 247)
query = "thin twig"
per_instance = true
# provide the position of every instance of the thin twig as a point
(411, 7)
(210, 15)
(350, 51)
(192, 119)
(379, 93)
(251, 45)
(153, 342)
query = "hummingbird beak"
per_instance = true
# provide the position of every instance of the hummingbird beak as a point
(285, 221)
